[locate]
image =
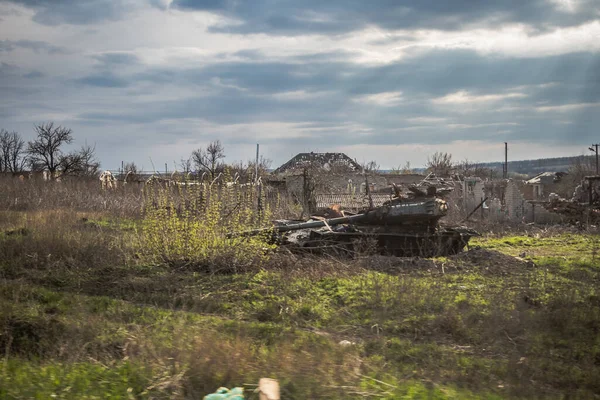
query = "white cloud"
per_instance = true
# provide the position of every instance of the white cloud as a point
(463, 97)
(381, 99)
(568, 6)
(295, 95)
(427, 120)
(567, 107)
(175, 41)
(515, 40)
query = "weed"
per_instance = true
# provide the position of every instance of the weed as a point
(196, 229)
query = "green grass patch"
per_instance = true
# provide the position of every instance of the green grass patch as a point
(82, 380)
(78, 302)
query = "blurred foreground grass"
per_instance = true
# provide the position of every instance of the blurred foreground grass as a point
(81, 316)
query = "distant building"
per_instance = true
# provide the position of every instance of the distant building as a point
(325, 161)
(541, 185)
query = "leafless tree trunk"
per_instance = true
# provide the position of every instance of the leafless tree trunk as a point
(82, 162)
(45, 153)
(440, 163)
(402, 170)
(370, 167)
(468, 168)
(186, 165)
(12, 152)
(209, 159)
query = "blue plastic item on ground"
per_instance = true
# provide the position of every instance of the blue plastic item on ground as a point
(225, 394)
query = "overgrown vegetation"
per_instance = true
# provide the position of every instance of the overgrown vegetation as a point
(100, 300)
(194, 227)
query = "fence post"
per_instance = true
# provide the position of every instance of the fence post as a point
(482, 209)
(259, 202)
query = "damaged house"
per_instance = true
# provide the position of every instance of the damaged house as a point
(540, 186)
(324, 161)
(318, 180)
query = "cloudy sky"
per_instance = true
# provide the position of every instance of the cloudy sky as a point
(391, 80)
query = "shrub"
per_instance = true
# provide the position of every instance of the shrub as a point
(194, 227)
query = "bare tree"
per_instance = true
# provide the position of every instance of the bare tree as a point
(12, 152)
(130, 167)
(130, 171)
(86, 163)
(440, 163)
(186, 165)
(402, 170)
(263, 166)
(468, 168)
(580, 167)
(246, 171)
(371, 166)
(465, 167)
(45, 153)
(80, 163)
(209, 159)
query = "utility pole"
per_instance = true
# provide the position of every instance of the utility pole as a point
(594, 148)
(505, 172)
(256, 165)
(258, 184)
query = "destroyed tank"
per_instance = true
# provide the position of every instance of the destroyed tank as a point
(400, 227)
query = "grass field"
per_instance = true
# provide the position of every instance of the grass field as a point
(85, 315)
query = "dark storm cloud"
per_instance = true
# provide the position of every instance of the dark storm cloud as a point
(431, 75)
(290, 17)
(253, 91)
(55, 12)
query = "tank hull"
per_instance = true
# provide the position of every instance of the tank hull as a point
(400, 244)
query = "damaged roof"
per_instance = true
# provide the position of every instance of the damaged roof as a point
(546, 178)
(320, 160)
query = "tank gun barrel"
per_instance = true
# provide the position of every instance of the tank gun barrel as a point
(318, 224)
(302, 225)
(427, 211)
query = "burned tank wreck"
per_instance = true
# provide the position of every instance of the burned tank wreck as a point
(403, 226)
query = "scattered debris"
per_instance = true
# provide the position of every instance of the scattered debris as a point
(225, 394)
(583, 207)
(268, 389)
(404, 226)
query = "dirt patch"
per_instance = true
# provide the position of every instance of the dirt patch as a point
(482, 260)
(490, 262)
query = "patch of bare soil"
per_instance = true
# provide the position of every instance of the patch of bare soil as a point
(399, 265)
(489, 262)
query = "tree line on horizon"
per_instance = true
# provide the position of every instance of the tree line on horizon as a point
(46, 152)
